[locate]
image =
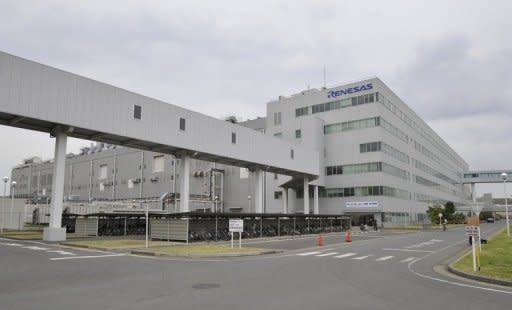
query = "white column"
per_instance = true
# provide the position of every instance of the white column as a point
(473, 194)
(258, 192)
(55, 232)
(285, 200)
(184, 183)
(306, 196)
(315, 200)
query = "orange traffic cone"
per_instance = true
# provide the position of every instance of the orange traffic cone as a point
(348, 238)
(320, 241)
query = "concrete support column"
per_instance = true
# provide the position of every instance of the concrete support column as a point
(258, 192)
(473, 193)
(184, 183)
(55, 232)
(315, 200)
(306, 196)
(285, 200)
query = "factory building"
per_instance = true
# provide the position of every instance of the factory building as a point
(379, 161)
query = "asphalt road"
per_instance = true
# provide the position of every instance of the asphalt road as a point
(380, 271)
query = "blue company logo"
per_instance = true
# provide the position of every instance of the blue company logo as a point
(350, 90)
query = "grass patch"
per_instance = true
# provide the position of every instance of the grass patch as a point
(23, 234)
(496, 259)
(204, 251)
(115, 244)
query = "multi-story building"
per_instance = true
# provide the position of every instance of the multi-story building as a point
(380, 161)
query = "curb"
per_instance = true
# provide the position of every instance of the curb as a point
(147, 253)
(471, 276)
(478, 278)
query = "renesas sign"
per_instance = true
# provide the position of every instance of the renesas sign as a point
(350, 90)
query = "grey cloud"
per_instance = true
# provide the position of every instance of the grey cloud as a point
(447, 81)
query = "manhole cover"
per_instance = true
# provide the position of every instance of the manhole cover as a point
(205, 286)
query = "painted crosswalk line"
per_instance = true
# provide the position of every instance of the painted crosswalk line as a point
(345, 255)
(61, 252)
(361, 257)
(36, 248)
(327, 254)
(309, 253)
(380, 259)
(407, 260)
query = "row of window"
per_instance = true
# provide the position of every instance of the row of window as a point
(366, 168)
(425, 168)
(350, 125)
(394, 131)
(485, 175)
(383, 147)
(336, 105)
(363, 191)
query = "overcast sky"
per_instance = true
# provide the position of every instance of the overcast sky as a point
(450, 61)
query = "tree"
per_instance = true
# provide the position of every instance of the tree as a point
(231, 118)
(449, 210)
(433, 213)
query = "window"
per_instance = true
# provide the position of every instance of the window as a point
(298, 134)
(158, 163)
(278, 195)
(137, 111)
(233, 137)
(182, 124)
(291, 153)
(275, 176)
(302, 111)
(278, 135)
(277, 118)
(103, 172)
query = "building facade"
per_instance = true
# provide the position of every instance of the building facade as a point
(379, 161)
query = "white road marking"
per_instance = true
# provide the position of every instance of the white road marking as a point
(345, 255)
(407, 260)
(14, 244)
(361, 257)
(35, 248)
(61, 252)
(84, 257)
(407, 250)
(384, 258)
(422, 244)
(309, 253)
(327, 254)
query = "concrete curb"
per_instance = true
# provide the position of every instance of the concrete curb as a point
(148, 253)
(478, 278)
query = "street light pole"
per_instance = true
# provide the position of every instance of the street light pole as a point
(504, 178)
(2, 212)
(13, 185)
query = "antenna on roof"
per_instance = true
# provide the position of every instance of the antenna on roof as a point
(324, 77)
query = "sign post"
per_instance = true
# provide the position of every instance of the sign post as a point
(473, 231)
(236, 225)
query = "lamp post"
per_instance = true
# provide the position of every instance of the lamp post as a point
(2, 212)
(504, 176)
(216, 219)
(13, 185)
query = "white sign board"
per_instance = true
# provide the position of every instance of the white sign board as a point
(236, 225)
(362, 204)
(471, 230)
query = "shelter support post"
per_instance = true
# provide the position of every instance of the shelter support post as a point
(55, 231)
(185, 183)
